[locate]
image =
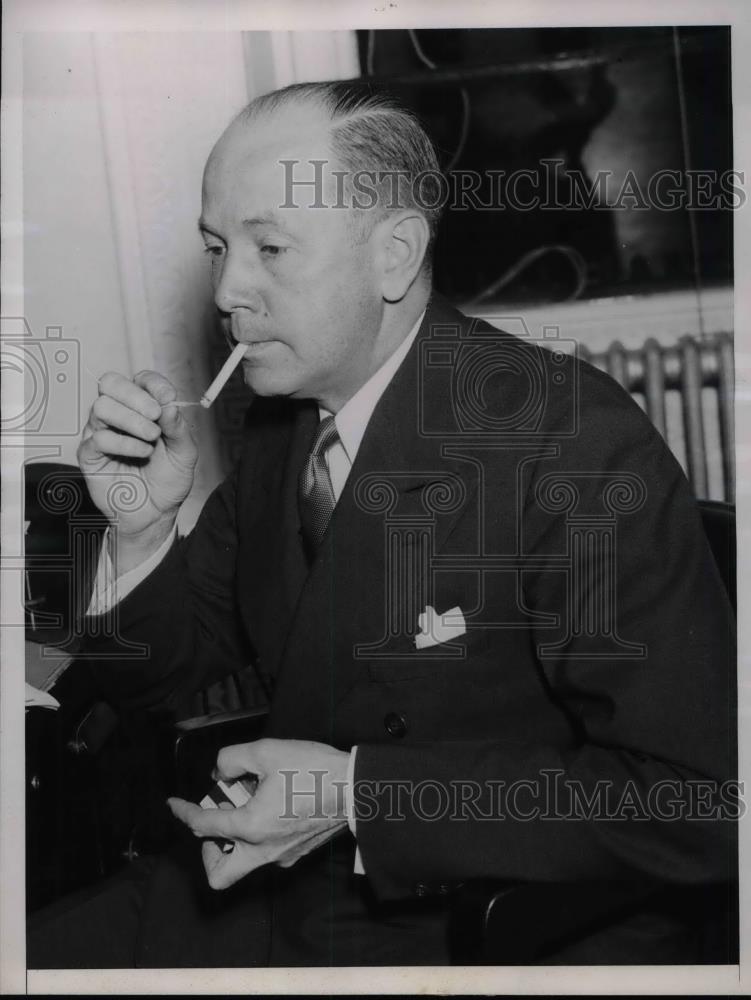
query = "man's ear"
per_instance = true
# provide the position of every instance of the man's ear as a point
(403, 240)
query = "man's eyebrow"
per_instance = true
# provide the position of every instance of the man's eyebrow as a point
(269, 219)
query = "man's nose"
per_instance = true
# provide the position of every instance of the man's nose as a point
(235, 287)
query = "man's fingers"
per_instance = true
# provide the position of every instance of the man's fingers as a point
(112, 414)
(299, 850)
(108, 442)
(221, 823)
(132, 394)
(156, 385)
(215, 864)
(140, 407)
(171, 423)
(223, 870)
(176, 433)
(235, 761)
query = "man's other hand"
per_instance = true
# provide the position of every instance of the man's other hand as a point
(298, 805)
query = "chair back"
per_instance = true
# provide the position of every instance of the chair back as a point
(62, 540)
(718, 520)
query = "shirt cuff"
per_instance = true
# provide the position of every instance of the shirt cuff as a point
(110, 590)
(349, 806)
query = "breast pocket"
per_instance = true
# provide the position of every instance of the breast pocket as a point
(476, 652)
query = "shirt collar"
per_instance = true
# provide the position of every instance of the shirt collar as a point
(353, 418)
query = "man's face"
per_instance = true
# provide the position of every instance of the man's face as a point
(291, 282)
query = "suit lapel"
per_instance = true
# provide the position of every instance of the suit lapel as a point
(344, 602)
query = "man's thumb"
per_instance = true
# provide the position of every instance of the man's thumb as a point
(175, 429)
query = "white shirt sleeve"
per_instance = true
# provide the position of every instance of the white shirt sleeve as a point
(349, 806)
(109, 590)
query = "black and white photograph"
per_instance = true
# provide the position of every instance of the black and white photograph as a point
(372, 440)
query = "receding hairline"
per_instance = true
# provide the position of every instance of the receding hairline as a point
(264, 118)
(357, 125)
(320, 97)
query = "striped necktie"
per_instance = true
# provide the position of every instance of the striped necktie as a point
(315, 492)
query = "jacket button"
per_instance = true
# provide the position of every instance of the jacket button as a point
(396, 725)
(421, 889)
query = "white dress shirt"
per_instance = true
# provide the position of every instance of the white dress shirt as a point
(351, 423)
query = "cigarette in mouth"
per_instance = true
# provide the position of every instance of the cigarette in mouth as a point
(224, 374)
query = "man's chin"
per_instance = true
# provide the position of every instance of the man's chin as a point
(263, 382)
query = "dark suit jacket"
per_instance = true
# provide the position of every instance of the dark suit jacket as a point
(532, 492)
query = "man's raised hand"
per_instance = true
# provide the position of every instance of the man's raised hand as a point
(138, 455)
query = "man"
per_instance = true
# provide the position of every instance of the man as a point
(496, 639)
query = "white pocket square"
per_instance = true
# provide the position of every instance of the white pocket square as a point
(435, 628)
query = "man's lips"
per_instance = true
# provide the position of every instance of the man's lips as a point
(250, 340)
(253, 346)
(237, 334)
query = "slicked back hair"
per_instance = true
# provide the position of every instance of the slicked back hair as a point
(370, 132)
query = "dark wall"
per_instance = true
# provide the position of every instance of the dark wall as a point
(598, 99)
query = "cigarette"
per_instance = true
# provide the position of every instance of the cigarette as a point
(224, 374)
